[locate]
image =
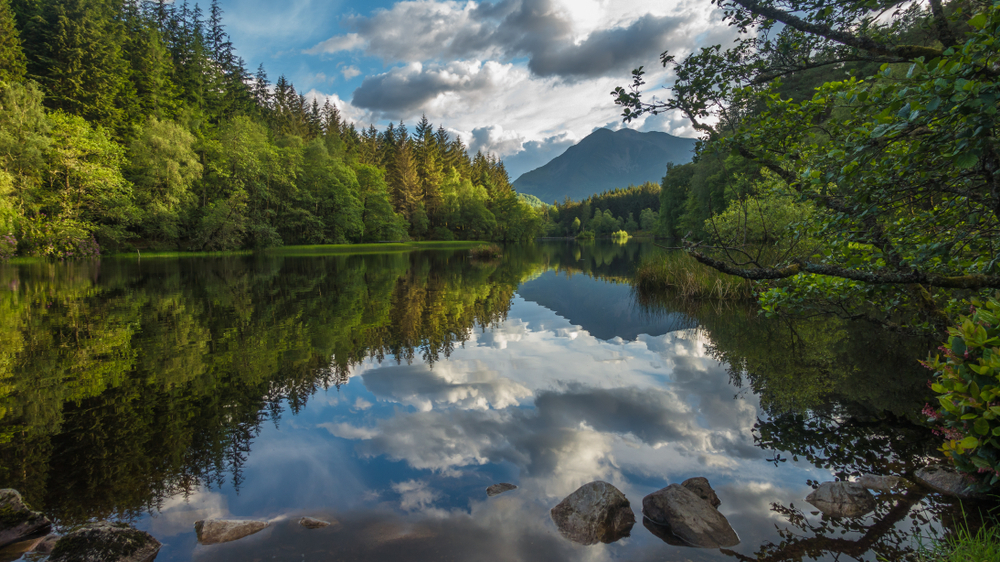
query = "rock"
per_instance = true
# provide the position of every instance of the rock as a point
(500, 488)
(689, 518)
(595, 512)
(16, 550)
(17, 521)
(842, 499)
(946, 480)
(214, 531)
(701, 488)
(881, 483)
(311, 523)
(105, 542)
(47, 544)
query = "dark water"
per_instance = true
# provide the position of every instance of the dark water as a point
(386, 392)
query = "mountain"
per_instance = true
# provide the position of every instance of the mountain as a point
(604, 160)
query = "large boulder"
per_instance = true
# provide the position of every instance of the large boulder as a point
(700, 486)
(313, 523)
(214, 531)
(105, 542)
(686, 516)
(497, 489)
(842, 499)
(946, 480)
(595, 512)
(17, 521)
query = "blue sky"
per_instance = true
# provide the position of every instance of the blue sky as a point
(524, 79)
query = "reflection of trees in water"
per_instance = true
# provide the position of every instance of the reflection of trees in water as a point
(122, 384)
(876, 533)
(843, 396)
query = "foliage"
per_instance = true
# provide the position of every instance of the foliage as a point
(486, 252)
(899, 165)
(967, 382)
(965, 546)
(12, 60)
(677, 272)
(138, 123)
(8, 246)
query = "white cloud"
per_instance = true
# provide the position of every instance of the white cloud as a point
(350, 72)
(337, 43)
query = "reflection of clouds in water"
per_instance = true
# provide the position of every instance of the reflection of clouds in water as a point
(415, 495)
(468, 385)
(566, 440)
(177, 514)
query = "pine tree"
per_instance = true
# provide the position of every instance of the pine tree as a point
(13, 63)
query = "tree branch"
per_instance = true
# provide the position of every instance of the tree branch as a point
(972, 281)
(825, 31)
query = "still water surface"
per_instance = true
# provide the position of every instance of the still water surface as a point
(387, 391)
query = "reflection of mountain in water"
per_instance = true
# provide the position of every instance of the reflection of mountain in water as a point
(574, 298)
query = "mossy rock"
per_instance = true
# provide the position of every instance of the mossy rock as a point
(105, 542)
(17, 521)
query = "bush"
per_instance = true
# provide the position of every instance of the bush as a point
(486, 252)
(967, 381)
(8, 247)
(60, 238)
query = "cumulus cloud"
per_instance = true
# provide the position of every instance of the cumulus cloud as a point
(469, 386)
(554, 37)
(404, 90)
(350, 72)
(494, 139)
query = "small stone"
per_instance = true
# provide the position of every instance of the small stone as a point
(214, 531)
(701, 488)
(947, 480)
(842, 499)
(595, 512)
(686, 516)
(17, 521)
(105, 542)
(497, 489)
(311, 523)
(881, 483)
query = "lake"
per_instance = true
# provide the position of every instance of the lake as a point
(385, 392)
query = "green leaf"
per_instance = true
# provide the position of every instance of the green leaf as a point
(981, 426)
(979, 21)
(969, 442)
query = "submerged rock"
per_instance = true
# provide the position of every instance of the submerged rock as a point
(105, 542)
(312, 523)
(17, 521)
(881, 483)
(947, 480)
(595, 512)
(500, 488)
(701, 488)
(842, 499)
(214, 531)
(689, 518)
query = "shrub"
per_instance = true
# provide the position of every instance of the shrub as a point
(8, 246)
(59, 237)
(486, 252)
(967, 382)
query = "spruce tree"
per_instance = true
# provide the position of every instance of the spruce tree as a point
(13, 63)
(79, 60)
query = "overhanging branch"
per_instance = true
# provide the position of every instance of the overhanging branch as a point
(974, 281)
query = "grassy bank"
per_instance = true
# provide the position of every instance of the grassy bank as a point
(964, 546)
(679, 273)
(319, 250)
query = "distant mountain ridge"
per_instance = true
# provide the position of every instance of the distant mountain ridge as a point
(604, 160)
